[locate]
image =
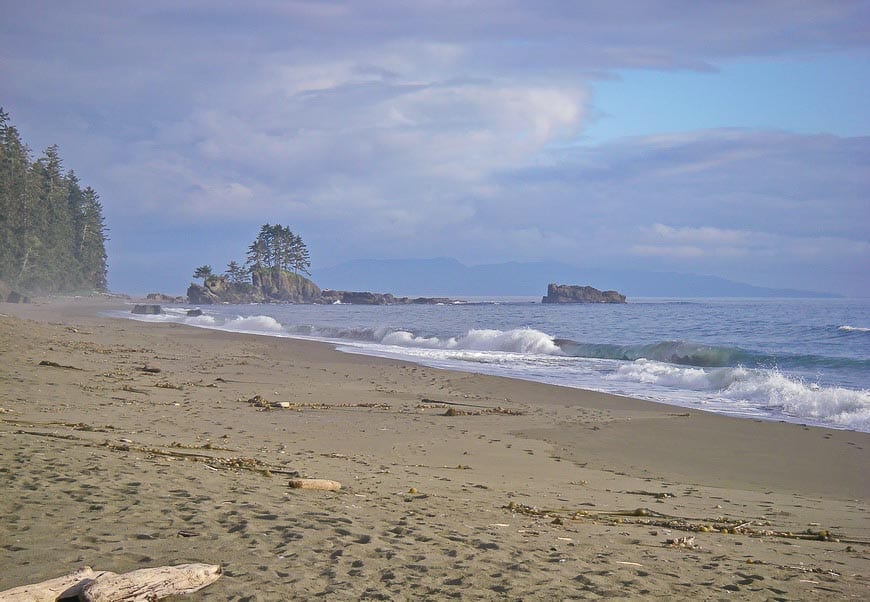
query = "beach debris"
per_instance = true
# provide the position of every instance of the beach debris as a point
(65, 587)
(662, 495)
(651, 518)
(151, 584)
(452, 411)
(143, 585)
(186, 533)
(683, 542)
(320, 484)
(149, 369)
(56, 365)
(498, 410)
(260, 402)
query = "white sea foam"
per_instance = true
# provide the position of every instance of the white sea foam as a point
(254, 324)
(847, 328)
(519, 340)
(766, 389)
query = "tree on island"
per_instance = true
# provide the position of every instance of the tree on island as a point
(236, 273)
(277, 247)
(204, 272)
(53, 233)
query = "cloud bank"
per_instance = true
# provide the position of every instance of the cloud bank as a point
(393, 129)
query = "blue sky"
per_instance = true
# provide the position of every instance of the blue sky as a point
(721, 138)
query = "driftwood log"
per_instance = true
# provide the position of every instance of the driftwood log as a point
(322, 484)
(67, 587)
(144, 585)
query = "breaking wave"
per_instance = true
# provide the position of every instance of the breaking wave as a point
(768, 389)
(847, 328)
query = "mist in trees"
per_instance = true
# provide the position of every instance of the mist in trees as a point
(52, 231)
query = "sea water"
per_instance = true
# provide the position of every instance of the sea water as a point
(805, 361)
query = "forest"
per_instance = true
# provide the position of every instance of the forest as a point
(52, 230)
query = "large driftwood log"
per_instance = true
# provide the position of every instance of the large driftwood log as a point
(67, 587)
(322, 484)
(147, 585)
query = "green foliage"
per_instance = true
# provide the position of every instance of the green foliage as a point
(278, 247)
(52, 233)
(236, 273)
(204, 272)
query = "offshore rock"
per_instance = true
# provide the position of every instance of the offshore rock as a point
(563, 293)
(267, 286)
(366, 298)
(147, 309)
(161, 298)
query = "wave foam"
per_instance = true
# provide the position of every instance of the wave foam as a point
(519, 340)
(847, 328)
(770, 390)
(254, 324)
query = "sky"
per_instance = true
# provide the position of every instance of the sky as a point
(719, 138)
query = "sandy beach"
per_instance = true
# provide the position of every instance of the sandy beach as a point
(126, 445)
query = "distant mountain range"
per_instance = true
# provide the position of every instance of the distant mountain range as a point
(449, 277)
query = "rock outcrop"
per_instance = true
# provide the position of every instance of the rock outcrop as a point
(267, 286)
(161, 298)
(365, 298)
(279, 286)
(563, 293)
(147, 309)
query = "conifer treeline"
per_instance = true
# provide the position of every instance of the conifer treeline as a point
(52, 232)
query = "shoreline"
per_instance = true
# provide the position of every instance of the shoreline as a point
(789, 395)
(426, 508)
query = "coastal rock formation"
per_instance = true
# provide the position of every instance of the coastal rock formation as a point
(282, 286)
(563, 293)
(279, 286)
(161, 298)
(147, 309)
(366, 298)
(267, 286)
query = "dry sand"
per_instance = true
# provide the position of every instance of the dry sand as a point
(533, 493)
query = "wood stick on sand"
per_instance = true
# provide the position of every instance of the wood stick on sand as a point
(322, 484)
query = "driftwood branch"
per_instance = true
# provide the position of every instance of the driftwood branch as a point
(322, 484)
(144, 585)
(68, 587)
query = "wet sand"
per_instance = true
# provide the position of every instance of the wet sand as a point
(125, 445)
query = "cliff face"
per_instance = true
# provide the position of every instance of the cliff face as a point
(267, 286)
(278, 286)
(563, 293)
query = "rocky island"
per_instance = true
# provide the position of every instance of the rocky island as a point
(563, 293)
(272, 285)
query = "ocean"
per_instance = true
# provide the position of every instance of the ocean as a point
(804, 361)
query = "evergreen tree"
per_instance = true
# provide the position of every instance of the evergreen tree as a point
(52, 234)
(204, 272)
(236, 273)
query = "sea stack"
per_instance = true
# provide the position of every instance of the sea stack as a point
(564, 293)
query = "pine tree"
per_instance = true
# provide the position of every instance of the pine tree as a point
(52, 233)
(90, 239)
